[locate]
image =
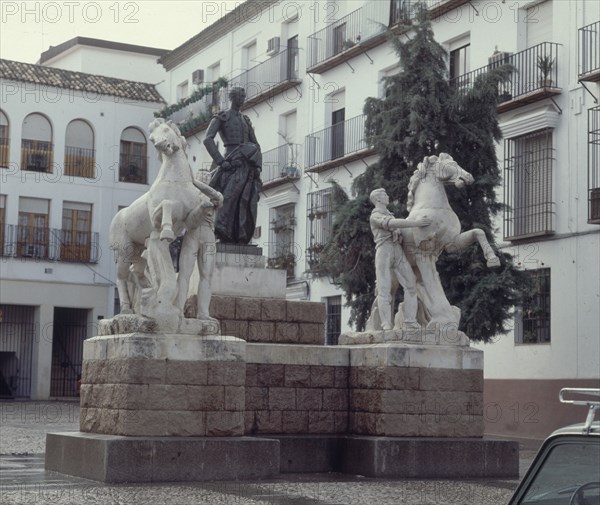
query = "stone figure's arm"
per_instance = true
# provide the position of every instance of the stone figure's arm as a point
(387, 222)
(209, 141)
(408, 223)
(215, 196)
(251, 133)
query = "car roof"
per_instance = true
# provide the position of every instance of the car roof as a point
(578, 429)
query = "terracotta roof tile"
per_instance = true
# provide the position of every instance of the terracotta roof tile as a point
(59, 78)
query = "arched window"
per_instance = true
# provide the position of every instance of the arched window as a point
(79, 149)
(4, 140)
(133, 160)
(36, 144)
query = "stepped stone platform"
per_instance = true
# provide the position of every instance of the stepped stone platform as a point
(155, 405)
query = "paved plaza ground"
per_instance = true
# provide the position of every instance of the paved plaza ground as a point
(23, 480)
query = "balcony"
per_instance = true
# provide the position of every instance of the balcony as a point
(280, 166)
(438, 8)
(594, 165)
(269, 78)
(535, 77)
(80, 162)
(4, 150)
(337, 145)
(51, 244)
(353, 34)
(589, 52)
(36, 155)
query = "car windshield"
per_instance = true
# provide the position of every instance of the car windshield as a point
(569, 475)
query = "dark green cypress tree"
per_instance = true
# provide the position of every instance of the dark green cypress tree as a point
(420, 115)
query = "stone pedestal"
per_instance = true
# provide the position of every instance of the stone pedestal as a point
(416, 391)
(241, 271)
(163, 385)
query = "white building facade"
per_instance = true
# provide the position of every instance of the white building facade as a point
(308, 68)
(73, 150)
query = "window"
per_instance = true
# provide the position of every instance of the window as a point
(292, 58)
(282, 222)
(249, 56)
(2, 222)
(594, 165)
(459, 61)
(399, 12)
(4, 140)
(333, 322)
(219, 99)
(36, 144)
(319, 226)
(528, 185)
(532, 325)
(133, 159)
(79, 150)
(32, 230)
(76, 233)
(182, 90)
(337, 133)
(339, 39)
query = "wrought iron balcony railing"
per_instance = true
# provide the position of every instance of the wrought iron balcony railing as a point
(534, 78)
(340, 143)
(280, 165)
(80, 162)
(269, 78)
(589, 52)
(352, 34)
(36, 155)
(52, 244)
(594, 165)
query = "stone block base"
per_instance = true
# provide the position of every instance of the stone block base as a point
(430, 458)
(163, 385)
(109, 458)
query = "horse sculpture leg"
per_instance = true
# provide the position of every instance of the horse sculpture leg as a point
(467, 238)
(162, 218)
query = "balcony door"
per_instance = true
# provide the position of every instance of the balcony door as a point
(337, 133)
(292, 58)
(32, 233)
(76, 232)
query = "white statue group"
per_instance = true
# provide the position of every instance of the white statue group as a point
(140, 236)
(407, 250)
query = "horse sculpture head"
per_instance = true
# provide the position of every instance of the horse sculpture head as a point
(439, 169)
(166, 137)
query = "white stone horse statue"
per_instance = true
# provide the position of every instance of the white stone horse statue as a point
(422, 246)
(141, 233)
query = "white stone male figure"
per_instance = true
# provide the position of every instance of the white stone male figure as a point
(390, 260)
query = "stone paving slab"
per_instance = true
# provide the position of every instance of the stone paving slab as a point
(23, 480)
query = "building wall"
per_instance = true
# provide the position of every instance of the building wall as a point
(110, 62)
(46, 283)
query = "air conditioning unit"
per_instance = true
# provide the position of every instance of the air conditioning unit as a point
(198, 76)
(37, 162)
(273, 46)
(498, 59)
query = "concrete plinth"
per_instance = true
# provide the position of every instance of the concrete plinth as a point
(109, 458)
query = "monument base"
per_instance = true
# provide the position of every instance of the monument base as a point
(114, 459)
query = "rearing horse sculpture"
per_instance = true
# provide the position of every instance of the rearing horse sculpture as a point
(427, 197)
(140, 234)
(422, 246)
